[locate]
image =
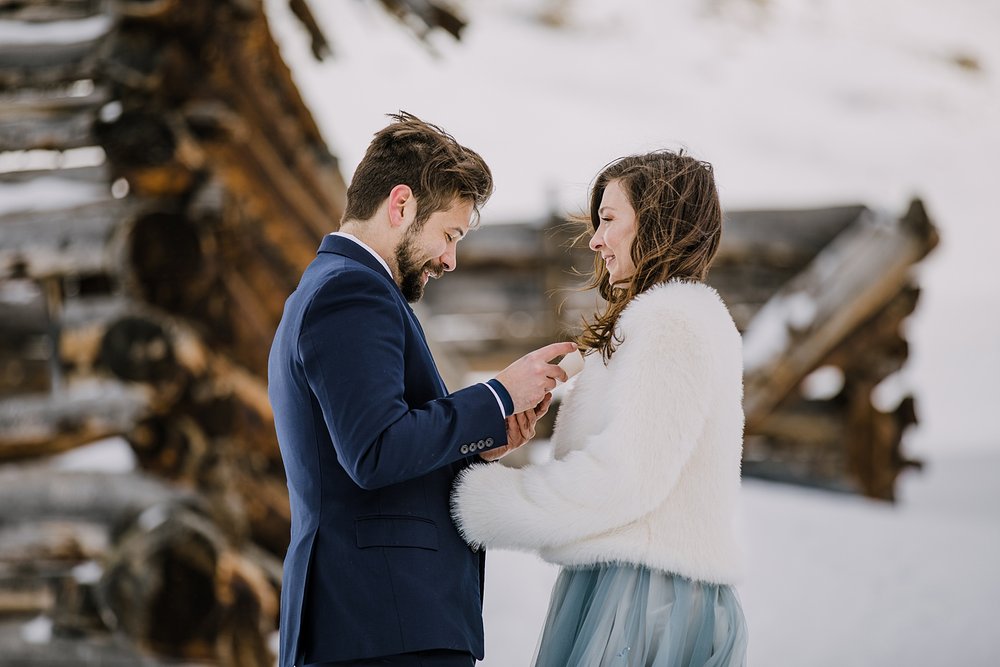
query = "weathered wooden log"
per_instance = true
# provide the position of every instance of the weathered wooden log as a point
(844, 442)
(252, 156)
(51, 53)
(80, 413)
(168, 260)
(33, 644)
(810, 424)
(225, 446)
(162, 564)
(147, 9)
(293, 195)
(43, 545)
(873, 352)
(80, 240)
(161, 256)
(36, 494)
(144, 146)
(123, 338)
(20, 596)
(270, 153)
(266, 254)
(25, 343)
(761, 251)
(47, 567)
(48, 10)
(318, 42)
(849, 281)
(209, 421)
(845, 445)
(45, 120)
(421, 16)
(876, 348)
(788, 239)
(99, 176)
(140, 344)
(177, 587)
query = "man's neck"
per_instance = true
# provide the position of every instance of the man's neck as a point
(370, 236)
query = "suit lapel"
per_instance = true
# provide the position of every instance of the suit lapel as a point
(339, 245)
(427, 348)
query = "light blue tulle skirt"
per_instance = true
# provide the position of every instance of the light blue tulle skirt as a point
(630, 616)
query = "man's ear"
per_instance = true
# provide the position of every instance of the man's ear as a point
(402, 206)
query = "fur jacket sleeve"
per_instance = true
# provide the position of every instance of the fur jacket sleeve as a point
(647, 411)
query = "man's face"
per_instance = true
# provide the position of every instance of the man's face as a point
(431, 250)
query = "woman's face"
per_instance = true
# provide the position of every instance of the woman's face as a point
(615, 233)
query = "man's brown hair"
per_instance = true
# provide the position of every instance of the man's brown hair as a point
(437, 169)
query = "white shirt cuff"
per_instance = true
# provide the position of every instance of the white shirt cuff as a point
(493, 391)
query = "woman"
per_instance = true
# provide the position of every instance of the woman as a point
(639, 503)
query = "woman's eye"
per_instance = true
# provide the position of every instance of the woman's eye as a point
(449, 237)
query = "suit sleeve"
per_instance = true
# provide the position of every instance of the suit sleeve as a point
(659, 404)
(352, 347)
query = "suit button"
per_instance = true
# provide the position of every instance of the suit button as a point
(464, 449)
(489, 442)
(481, 444)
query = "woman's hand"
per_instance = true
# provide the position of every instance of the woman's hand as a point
(520, 429)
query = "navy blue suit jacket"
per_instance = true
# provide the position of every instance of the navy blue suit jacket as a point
(371, 441)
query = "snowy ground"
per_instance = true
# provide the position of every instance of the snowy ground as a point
(834, 581)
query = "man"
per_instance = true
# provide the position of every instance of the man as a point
(371, 440)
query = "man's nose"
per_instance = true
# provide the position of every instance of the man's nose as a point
(449, 260)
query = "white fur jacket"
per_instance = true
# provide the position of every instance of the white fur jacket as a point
(647, 452)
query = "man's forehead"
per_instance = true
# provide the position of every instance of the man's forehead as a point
(458, 217)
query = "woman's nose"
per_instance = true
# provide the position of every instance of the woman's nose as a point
(595, 242)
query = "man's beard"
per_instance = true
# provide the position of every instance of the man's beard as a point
(411, 273)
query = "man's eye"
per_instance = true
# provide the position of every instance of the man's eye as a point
(449, 237)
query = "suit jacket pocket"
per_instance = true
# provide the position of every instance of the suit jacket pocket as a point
(396, 531)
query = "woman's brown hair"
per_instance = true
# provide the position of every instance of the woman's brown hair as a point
(678, 228)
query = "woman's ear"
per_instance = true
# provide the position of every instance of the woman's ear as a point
(402, 206)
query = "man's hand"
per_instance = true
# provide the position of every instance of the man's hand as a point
(520, 429)
(528, 379)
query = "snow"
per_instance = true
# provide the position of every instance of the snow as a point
(834, 581)
(797, 103)
(88, 572)
(152, 518)
(37, 631)
(21, 292)
(891, 391)
(111, 112)
(49, 193)
(38, 160)
(106, 455)
(767, 334)
(23, 33)
(823, 383)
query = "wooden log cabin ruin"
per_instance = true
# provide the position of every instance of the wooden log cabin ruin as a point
(139, 292)
(819, 296)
